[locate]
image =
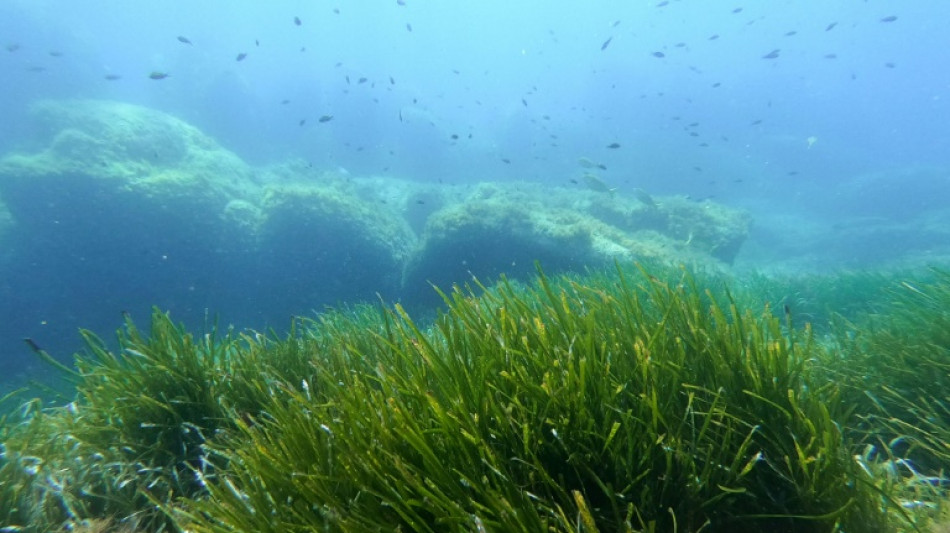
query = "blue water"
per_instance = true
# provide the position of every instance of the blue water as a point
(847, 128)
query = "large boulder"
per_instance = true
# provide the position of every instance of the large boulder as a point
(323, 241)
(121, 175)
(506, 228)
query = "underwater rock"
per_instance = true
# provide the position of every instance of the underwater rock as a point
(121, 205)
(324, 242)
(139, 204)
(699, 227)
(501, 228)
(106, 165)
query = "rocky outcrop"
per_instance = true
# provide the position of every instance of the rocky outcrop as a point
(139, 204)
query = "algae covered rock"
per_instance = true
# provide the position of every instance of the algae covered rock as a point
(498, 230)
(107, 166)
(326, 243)
(505, 228)
(699, 227)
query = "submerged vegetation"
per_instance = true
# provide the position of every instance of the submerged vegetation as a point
(642, 400)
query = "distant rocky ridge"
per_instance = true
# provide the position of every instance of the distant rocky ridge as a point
(139, 201)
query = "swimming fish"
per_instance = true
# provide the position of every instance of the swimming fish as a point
(240, 57)
(325, 118)
(659, 54)
(594, 183)
(613, 146)
(184, 40)
(645, 198)
(771, 55)
(155, 75)
(890, 18)
(606, 44)
(112, 77)
(297, 21)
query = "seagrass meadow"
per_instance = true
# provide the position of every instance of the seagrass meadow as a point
(640, 399)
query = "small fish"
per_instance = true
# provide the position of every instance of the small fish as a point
(155, 75)
(409, 27)
(284, 102)
(771, 55)
(713, 37)
(737, 10)
(184, 40)
(831, 26)
(890, 65)
(12, 47)
(524, 102)
(664, 3)
(240, 57)
(55, 53)
(297, 21)
(257, 42)
(336, 10)
(680, 45)
(755, 122)
(615, 24)
(325, 118)
(112, 77)
(660, 55)
(606, 44)
(454, 137)
(717, 84)
(890, 18)
(302, 122)
(361, 80)
(613, 146)
(505, 160)
(791, 33)
(392, 81)
(400, 2)
(831, 56)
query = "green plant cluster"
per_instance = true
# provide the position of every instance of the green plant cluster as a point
(642, 400)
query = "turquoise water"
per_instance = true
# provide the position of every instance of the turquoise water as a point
(835, 148)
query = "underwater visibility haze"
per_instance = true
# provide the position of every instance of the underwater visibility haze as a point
(778, 170)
